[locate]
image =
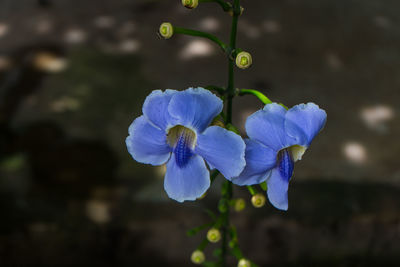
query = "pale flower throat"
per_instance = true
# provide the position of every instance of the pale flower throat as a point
(182, 140)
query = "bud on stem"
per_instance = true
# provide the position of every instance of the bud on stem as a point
(166, 30)
(243, 60)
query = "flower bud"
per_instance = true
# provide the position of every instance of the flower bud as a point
(243, 60)
(244, 263)
(258, 200)
(213, 235)
(197, 257)
(240, 204)
(166, 30)
(190, 3)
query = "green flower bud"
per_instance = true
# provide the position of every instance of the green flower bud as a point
(197, 257)
(243, 60)
(240, 204)
(166, 30)
(258, 200)
(190, 3)
(213, 235)
(244, 263)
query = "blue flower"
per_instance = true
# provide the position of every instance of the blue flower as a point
(278, 138)
(175, 129)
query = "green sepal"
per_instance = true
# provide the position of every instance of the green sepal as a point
(264, 186)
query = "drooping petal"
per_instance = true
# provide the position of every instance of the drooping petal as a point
(195, 108)
(146, 143)
(259, 161)
(267, 127)
(222, 149)
(277, 190)
(304, 121)
(155, 108)
(188, 182)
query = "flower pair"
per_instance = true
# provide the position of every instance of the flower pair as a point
(175, 129)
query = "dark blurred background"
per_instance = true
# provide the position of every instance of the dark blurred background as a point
(74, 75)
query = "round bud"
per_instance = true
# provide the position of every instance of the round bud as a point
(240, 204)
(213, 235)
(197, 257)
(258, 200)
(244, 263)
(243, 60)
(190, 3)
(166, 30)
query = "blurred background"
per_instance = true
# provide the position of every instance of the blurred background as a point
(74, 75)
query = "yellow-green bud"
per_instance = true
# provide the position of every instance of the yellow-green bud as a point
(213, 235)
(258, 200)
(243, 60)
(190, 3)
(197, 257)
(240, 204)
(244, 263)
(166, 30)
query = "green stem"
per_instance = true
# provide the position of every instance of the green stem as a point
(256, 93)
(201, 34)
(225, 6)
(230, 93)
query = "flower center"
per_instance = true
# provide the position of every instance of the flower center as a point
(285, 163)
(182, 140)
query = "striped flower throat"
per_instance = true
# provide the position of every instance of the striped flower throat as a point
(286, 159)
(182, 141)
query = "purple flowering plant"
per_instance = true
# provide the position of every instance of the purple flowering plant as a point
(190, 132)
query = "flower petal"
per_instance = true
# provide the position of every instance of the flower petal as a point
(155, 108)
(195, 108)
(267, 127)
(146, 143)
(189, 182)
(277, 190)
(304, 122)
(259, 161)
(222, 149)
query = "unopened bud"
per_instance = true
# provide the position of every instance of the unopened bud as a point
(213, 235)
(166, 30)
(240, 204)
(243, 60)
(197, 257)
(258, 200)
(190, 3)
(244, 263)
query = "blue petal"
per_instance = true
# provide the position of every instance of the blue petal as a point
(189, 182)
(304, 121)
(155, 108)
(267, 127)
(146, 143)
(195, 108)
(277, 190)
(259, 161)
(222, 149)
